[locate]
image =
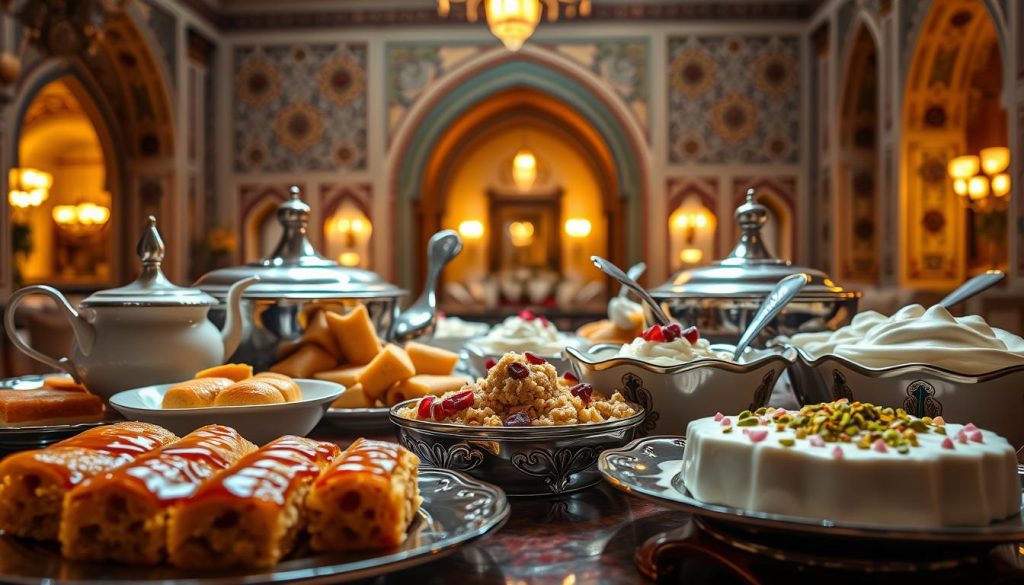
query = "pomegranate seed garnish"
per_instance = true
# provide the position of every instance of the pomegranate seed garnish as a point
(490, 363)
(726, 421)
(947, 443)
(654, 333)
(976, 437)
(527, 315)
(457, 402)
(543, 320)
(961, 437)
(423, 412)
(518, 419)
(571, 377)
(518, 371)
(837, 453)
(691, 334)
(671, 332)
(534, 359)
(719, 416)
(583, 391)
(758, 435)
(437, 411)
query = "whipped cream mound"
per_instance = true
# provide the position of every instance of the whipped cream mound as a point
(454, 327)
(625, 314)
(914, 335)
(521, 333)
(668, 353)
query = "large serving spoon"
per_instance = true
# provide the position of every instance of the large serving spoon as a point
(780, 296)
(420, 317)
(973, 286)
(635, 272)
(615, 272)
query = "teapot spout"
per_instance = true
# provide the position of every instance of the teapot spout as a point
(232, 332)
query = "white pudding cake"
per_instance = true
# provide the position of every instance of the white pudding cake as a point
(855, 463)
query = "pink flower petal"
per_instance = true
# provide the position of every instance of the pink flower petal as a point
(947, 443)
(879, 446)
(969, 427)
(726, 422)
(816, 441)
(757, 435)
(837, 452)
(976, 437)
(961, 437)
(719, 416)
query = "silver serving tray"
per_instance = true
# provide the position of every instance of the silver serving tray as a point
(456, 510)
(650, 467)
(38, 436)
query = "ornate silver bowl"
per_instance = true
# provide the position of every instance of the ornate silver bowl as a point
(992, 400)
(524, 461)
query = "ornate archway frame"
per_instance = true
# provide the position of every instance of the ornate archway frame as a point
(931, 219)
(476, 80)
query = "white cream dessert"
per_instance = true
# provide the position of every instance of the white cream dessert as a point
(625, 321)
(915, 335)
(670, 345)
(525, 332)
(854, 463)
(447, 327)
(624, 313)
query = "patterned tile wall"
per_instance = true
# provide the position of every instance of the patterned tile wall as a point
(734, 99)
(300, 107)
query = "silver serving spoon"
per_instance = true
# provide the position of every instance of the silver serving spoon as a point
(635, 272)
(418, 319)
(615, 272)
(780, 296)
(973, 286)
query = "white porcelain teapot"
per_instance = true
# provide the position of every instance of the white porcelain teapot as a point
(148, 332)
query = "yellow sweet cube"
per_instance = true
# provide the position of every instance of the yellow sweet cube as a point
(308, 360)
(391, 365)
(352, 397)
(345, 375)
(355, 335)
(431, 360)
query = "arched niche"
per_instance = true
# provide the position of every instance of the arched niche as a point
(858, 238)
(692, 198)
(568, 91)
(955, 38)
(347, 226)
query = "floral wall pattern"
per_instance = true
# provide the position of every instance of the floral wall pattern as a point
(734, 99)
(412, 69)
(300, 107)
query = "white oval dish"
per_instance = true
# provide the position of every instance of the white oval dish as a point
(259, 423)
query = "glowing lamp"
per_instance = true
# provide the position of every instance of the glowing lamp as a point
(28, 187)
(691, 255)
(521, 233)
(994, 160)
(471, 229)
(349, 259)
(513, 21)
(578, 228)
(960, 187)
(1001, 185)
(977, 187)
(963, 167)
(524, 169)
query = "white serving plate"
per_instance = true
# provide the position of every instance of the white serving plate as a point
(258, 423)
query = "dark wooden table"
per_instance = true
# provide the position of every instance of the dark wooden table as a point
(592, 537)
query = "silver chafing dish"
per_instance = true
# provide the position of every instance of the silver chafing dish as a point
(720, 299)
(295, 280)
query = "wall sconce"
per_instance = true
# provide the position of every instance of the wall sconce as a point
(471, 229)
(521, 233)
(353, 230)
(578, 228)
(691, 231)
(524, 169)
(28, 187)
(691, 255)
(82, 219)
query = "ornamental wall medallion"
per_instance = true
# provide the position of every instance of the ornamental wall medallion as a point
(257, 82)
(299, 126)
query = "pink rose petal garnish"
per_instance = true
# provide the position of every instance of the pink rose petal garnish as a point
(816, 441)
(976, 437)
(762, 420)
(757, 435)
(938, 421)
(879, 446)
(961, 437)
(719, 416)
(947, 443)
(779, 412)
(969, 427)
(837, 452)
(726, 422)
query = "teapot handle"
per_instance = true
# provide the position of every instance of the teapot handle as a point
(64, 363)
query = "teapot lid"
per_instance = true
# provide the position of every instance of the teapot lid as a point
(151, 288)
(296, 270)
(750, 270)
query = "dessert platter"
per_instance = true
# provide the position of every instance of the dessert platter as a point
(37, 410)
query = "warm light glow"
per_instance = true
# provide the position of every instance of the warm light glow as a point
(471, 229)
(994, 160)
(349, 259)
(691, 255)
(1001, 185)
(513, 21)
(963, 167)
(960, 186)
(84, 218)
(524, 169)
(347, 226)
(28, 187)
(521, 233)
(687, 220)
(577, 227)
(977, 187)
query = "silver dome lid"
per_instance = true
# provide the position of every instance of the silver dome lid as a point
(749, 271)
(296, 270)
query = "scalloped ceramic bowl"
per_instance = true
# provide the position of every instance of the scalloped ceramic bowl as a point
(675, 395)
(993, 400)
(524, 461)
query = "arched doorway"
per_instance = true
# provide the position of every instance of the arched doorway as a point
(569, 89)
(569, 209)
(65, 239)
(858, 178)
(952, 103)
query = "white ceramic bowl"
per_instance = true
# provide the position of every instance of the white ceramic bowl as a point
(672, 396)
(478, 356)
(259, 423)
(993, 400)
